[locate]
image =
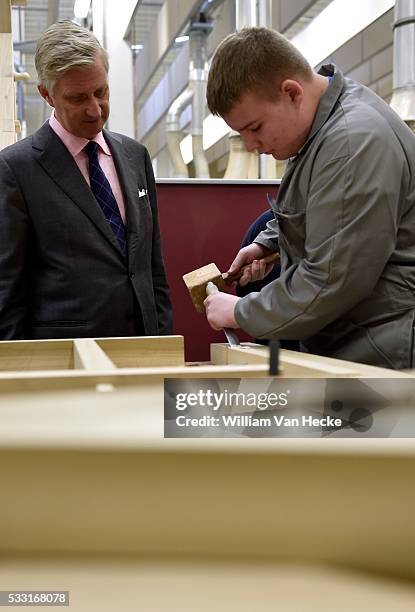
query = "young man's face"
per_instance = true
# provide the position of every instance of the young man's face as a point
(274, 127)
(81, 99)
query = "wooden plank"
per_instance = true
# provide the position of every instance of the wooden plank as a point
(146, 355)
(145, 351)
(234, 585)
(23, 355)
(304, 365)
(87, 355)
(353, 369)
(62, 513)
(117, 410)
(125, 407)
(289, 367)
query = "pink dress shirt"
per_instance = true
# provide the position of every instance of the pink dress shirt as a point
(75, 146)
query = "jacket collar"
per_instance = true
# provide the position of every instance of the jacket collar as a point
(327, 101)
(56, 160)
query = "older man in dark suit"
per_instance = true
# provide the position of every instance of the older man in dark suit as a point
(80, 252)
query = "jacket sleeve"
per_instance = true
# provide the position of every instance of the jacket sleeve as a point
(13, 254)
(160, 285)
(349, 231)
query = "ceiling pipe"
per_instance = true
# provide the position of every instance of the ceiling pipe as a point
(175, 134)
(242, 164)
(53, 12)
(198, 74)
(195, 94)
(239, 161)
(403, 97)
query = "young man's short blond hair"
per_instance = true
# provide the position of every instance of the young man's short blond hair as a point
(65, 45)
(252, 60)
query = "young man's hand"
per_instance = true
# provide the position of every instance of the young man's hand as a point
(220, 309)
(257, 270)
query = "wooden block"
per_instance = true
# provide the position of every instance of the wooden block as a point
(197, 280)
(219, 354)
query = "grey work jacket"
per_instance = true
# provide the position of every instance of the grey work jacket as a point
(345, 228)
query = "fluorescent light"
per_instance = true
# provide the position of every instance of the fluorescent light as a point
(137, 47)
(81, 8)
(335, 25)
(181, 39)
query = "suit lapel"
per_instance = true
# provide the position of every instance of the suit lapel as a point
(56, 160)
(127, 175)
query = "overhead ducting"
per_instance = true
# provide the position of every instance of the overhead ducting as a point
(242, 164)
(195, 94)
(198, 74)
(174, 132)
(403, 98)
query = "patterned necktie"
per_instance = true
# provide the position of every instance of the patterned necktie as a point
(103, 194)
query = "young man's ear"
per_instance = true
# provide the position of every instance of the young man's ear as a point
(45, 94)
(293, 89)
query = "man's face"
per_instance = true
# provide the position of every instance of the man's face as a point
(274, 127)
(81, 99)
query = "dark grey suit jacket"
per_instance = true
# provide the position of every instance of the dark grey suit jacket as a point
(62, 272)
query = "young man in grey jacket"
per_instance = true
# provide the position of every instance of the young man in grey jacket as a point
(344, 217)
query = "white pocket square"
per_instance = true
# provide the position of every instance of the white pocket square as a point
(142, 192)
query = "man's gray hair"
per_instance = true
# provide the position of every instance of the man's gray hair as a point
(65, 45)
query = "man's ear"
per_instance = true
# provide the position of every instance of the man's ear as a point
(293, 89)
(45, 94)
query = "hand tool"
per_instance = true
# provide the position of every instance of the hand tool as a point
(197, 280)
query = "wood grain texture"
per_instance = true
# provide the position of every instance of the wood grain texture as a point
(347, 509)
(145, 351)
(87, 355)
(23, 355)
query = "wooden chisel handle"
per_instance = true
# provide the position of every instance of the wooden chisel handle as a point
(230, 278)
